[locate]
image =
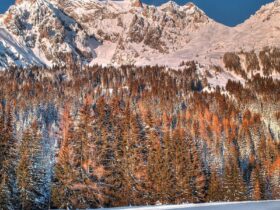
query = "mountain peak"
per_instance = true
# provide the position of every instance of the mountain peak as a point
(136, 3)
(169, 6)
(190, 5)
(18, 1)
(54, 29)
(188, 9)
(21, 1)
(37, 32)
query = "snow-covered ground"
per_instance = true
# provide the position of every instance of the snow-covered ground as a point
(247, 205)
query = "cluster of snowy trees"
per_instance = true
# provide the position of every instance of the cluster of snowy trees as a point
(243, 63)
(102, 137)
(23, 167)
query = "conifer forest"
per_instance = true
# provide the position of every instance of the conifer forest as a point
(90, 137)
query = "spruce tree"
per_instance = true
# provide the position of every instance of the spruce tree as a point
(8, 184)
(214, 192)
(3, 140)
(75, 185)
(31, 174)
(255, 187)
(182, 166)
(64, 170)
(234, 188)
(197, 174)
(154, 160)
(167, 171)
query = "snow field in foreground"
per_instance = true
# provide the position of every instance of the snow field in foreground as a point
(246, 205)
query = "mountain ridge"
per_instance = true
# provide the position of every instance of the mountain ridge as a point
(125, 32)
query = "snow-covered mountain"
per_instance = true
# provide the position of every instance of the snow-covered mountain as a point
(38, 33)
(56, 32)
(261, 29)
(131, 31)
(209, 45)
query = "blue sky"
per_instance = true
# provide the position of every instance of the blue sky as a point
(228, 12)
(5, 4)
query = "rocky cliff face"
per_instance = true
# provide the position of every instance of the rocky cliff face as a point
(45, 32)
(56, 32)
(132, 30)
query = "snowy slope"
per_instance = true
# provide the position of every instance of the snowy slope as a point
(13, 52)
(261, 29)
(38, 33)
(102, 32)
(247, 205)
(210, 43)
(134, 31)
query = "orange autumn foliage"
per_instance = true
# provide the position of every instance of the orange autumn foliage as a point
(275, 166)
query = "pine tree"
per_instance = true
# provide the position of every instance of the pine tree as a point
(31, 175)
(8, 185)
(214, 192)
(167, 171)
(123, 184)
(154, 166)
(154, 161)
(75, 185)
(64, 171)
(5, 194)
(275, 179)
(84, 150)
(133, 150)
(255, 191)
(182, 165)
(3, 140)
(233, 184)
(198, 178)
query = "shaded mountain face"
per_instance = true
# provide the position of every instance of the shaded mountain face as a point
(39, 33)
(45, 32)
(59, 32)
